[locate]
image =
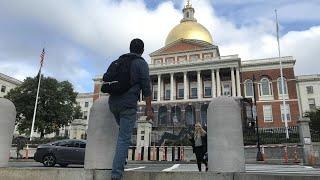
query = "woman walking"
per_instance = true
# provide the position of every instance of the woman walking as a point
(199, 145)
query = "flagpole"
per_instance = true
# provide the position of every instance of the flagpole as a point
(282, 81)
(37, 97)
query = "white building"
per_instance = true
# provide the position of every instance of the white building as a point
(308, 87)
(7, 83)
(78, 127)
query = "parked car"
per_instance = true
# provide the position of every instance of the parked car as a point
(63, 152)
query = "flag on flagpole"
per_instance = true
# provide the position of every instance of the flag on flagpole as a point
(42, 57)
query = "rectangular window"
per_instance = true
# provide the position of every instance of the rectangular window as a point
(142, 132)
(193, 90)
(312, 104)
(267, 113)
(194, 57)
(142, 137)
(155, 92)
(180, 90)
(3, 88)
(86, 104)
(309, 89)
(169, 60)
(167, 91)
(85, 114)
(287, 113)
(226, 89)
(207, 89)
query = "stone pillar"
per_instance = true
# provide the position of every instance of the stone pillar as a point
(213, 84)
(233, 83)
(171, 86)
(159, 88)
(7, 119)
(225, 138)
(141, 96)
(199, 84)
(102, 136)
(218, 83)
(174, 89)
(238, 82)
(162, 90)
(185, 83)
(305, 139)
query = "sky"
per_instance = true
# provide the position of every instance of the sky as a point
(82, 37)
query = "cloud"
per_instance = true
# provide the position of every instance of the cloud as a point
(82, 37)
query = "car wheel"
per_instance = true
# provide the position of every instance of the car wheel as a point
(63, 165)
(49, 160)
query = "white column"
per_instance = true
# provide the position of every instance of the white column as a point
(140, 96)
(185, 81)
(199, 85)
(213, 84)
(218, 83)
(233, 85)
(238, 82)
(159, 87)
(174, 89)
(171, 86)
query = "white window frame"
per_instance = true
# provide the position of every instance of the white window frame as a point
(179, 87)
(170, 61)
(288, 112)
(155, 92)
(224, 89)
(314, 103)
(245, 88)
(207, 84)
(267, 113)
(193, 85)
(265, 96)
(310, 89)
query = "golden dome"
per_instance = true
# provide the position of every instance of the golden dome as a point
(189, 30)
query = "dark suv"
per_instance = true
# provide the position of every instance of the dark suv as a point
(63, 152)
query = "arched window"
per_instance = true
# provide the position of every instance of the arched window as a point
(284, 85)
(248, 88)
(162, 115)
(175, 114)
(265, 87)
(190, 120)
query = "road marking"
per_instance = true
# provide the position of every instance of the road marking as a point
(172, 168)
(131, 169)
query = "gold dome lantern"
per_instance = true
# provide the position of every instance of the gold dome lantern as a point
(189, 28)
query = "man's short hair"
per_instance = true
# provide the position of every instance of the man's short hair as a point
(137, 46)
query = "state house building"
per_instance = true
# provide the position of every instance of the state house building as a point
(189, 71)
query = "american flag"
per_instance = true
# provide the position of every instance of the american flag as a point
(42, 57)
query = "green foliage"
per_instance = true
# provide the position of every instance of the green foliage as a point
(77, 114)
(314, 124)
(56, 104)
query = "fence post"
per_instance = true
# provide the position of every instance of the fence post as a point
(305, 139)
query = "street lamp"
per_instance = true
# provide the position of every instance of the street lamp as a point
(259, 154)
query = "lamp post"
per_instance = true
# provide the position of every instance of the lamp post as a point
(259, 154)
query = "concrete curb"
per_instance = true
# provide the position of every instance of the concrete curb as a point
(82, 174)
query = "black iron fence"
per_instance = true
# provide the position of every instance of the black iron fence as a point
(270, 135)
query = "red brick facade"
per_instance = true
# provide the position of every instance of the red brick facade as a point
(273, 75)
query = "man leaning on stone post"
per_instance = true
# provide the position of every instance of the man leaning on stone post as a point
(124, 106)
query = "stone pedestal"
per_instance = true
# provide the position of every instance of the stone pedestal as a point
(101, 136)
(7, 119)
(225, 138)
(305, 139)
(144, 129)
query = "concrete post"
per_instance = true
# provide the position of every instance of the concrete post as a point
(305, 139)
(225, 138)
(102, 136)
(7, 119)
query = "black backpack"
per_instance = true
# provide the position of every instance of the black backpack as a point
(117, 79)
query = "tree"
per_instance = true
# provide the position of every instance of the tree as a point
(77, 114)
(314, 116)
(56, 104)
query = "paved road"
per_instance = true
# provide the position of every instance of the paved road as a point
(254, 168)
